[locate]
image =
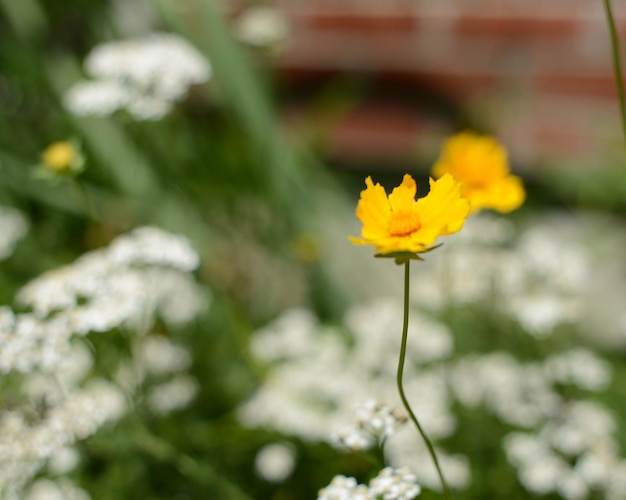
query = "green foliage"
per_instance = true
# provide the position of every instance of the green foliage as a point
(219, 170)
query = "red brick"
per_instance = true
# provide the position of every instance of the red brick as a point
(551, 59)
(502, 28)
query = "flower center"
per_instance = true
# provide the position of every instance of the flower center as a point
(403, 223)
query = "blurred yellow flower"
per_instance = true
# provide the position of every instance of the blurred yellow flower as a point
(399, 224)
(480, 163)
(59, 156)
(307, 248)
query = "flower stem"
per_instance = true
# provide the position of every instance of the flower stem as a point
(405, 329)
(202, 474)
(84, 199)
(617, 65)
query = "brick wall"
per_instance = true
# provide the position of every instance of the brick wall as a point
(538, 74)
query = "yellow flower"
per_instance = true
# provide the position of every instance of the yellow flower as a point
(480, 163)
(58, 156)
(306, 248)
(400, 225)
(60, 160)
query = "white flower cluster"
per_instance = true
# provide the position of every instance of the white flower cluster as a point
(524, 394)
(562, 269)
(374, 423)
(344, 488)
(390, 484)
(13, 227)
(572, 455)
(579, 367)
(395, 484)
(538, 280)
(573, 449)
(376, 327)
(320, 374)
(151, 246)
(144, 76)
(52, 388)
(24, 446)
(544, 279)
(157, 365)
(124, 285)
(516, 393)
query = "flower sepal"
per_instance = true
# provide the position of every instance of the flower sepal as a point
(404, 257)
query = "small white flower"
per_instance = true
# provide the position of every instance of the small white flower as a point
(390, 484)
(63, 460)
(540, 313)
(373, 424)
(395, 484)
(13, 227)
(153, 246)
(148, 108)
(580, 367)
(572, 486)
(97, 98)
(262, 26)
(288, 337)
(344, 488)
(275, 462)
(172, 395)
(46, 489)
(157, 355)
(542, 475)
(522, 448)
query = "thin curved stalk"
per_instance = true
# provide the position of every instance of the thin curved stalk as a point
(407, 406)
(617, 64)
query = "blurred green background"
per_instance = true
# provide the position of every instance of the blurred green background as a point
(268, 206)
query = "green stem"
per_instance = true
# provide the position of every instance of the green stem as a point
(84, 199)
(405, 329)
(201, 473)
(617, 65)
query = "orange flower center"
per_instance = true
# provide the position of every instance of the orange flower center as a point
(403, 223)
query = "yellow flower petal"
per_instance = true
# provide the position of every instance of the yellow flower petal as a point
(403, 197)
(373, 210)
(443, 207)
